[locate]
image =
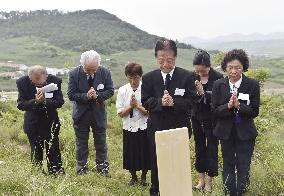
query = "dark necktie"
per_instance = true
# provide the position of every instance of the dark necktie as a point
(91, 81)
(167, 82)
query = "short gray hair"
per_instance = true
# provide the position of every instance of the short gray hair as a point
(37, 67)
(89, 57)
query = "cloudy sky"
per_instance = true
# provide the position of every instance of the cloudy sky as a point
(177, 19)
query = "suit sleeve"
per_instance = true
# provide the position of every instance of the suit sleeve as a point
(73, 92)
(252, 109)
(208, 94)
(149, 102)
(57, 101)
(186, 102)
(220, 110)
(108, 89)
(23, 103)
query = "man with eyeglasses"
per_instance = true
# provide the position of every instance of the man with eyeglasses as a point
(168, 94)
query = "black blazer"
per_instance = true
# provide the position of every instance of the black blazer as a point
(202, 110)
(152, 91)
(39, 117)
(225, 118)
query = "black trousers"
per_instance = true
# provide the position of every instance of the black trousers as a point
(82, 130)
(51, 145)
(154, 168)
(236, 155)
(206, 147)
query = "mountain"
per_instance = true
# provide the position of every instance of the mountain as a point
(236, 37)
(78, 30)
(268, 45)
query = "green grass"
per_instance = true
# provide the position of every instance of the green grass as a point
(32, 50)
(16, 178)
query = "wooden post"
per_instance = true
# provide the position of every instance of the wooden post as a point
(173, 160)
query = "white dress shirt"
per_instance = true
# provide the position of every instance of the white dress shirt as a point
(138, 120)
(165, 74)
(236, 86)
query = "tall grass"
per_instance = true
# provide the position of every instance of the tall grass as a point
(17, 177)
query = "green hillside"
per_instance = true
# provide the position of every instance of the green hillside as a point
(77, 31)
(32, 50)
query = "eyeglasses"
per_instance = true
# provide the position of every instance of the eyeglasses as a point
(163, 61)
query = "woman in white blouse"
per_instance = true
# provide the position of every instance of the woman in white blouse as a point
(136, 155)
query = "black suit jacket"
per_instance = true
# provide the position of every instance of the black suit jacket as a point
(152, 91)
(225, 118)
(202, 110)
(39, 117)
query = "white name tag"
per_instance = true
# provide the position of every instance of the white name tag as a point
(244, 97)
(179, 92)
(48, 95)
(100, 87)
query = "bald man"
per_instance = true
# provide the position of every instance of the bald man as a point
(41, 122)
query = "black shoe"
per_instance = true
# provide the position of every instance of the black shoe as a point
(82, 171)
(143, 182)
(56, 172)
(132, 181)
(104, 173)
(154, 192)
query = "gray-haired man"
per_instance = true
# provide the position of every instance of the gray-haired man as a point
(89, 86)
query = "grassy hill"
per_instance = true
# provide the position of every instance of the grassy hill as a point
(78, 30)
(33, 50)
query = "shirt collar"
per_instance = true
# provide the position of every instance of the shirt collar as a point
(165, 74)
(92, 75)
(237, 84)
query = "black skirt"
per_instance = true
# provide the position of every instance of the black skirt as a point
(136, 154)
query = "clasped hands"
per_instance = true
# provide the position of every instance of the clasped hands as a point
(39, 97)
(133, 101)
(199, 87)
(92, 94)
(234, 102)
(167, 100)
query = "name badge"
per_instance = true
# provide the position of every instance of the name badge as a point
(48, 95)
(100, 87)
(179, 92)
(244, 97)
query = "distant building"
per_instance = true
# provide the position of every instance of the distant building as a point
(56, 71)
(15, 71)
(11, 75)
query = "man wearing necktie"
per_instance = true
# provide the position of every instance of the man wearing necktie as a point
(168, 94)
(89, 86)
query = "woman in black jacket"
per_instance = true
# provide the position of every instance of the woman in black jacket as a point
(206, 145)
(235, 102)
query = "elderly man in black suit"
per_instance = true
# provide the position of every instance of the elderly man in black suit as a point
(235, 102)
(89, 86)
(167, 93)
(41, 122)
